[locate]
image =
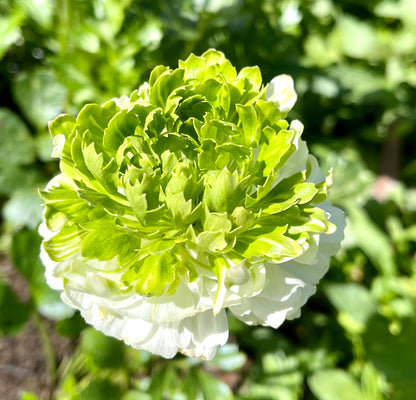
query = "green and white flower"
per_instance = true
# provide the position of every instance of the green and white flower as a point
(191, 196)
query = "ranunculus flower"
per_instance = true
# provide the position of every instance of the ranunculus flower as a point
(191, 196)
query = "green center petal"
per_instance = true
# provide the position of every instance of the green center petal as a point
(197, 161)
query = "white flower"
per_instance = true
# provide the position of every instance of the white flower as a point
(183, 201)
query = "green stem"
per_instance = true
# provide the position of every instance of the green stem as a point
(47, 347)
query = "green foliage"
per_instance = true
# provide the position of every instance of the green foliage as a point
(72, 326)
(101, 351)
(13, 313)
(39, 95)
(100, 389)
(28, 396)
(330, 384)
(355, 75)
(24, 253)
(392, 354)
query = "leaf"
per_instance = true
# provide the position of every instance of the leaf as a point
(16, 178)
(28, 396)
(10, 29)
(136, 395)
(373, 383)
(281, 379)
(358, 39)
(48, 301)
(353, 181)
(102, 350)
(44, 146)
(354, 301)
(17, 146)
(41, 12)
(199, 384)
(100, 389)
(165, 383)
(228, 358)
(393, 355)
(334, 384)
(211, 387)
(24, 252)
(40, 95)
(72, 326)
(13, 313)
(379, 249)
(23, 208)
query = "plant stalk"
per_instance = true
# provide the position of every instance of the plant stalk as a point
(50, 357)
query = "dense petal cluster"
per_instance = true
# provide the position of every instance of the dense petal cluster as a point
(191, 196)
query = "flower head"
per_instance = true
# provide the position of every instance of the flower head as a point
(191, 196)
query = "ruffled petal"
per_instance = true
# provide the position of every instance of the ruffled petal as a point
(282, 295)
(207, 333)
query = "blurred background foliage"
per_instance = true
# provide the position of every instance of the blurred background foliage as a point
(354, 65)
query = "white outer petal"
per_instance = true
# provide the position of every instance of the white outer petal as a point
(51, 271)
(281, 91)
(207, 333)
(82, 291)
(282, 295)
(196, 336)
(291, 283)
